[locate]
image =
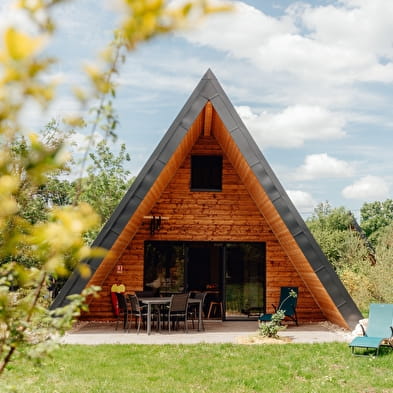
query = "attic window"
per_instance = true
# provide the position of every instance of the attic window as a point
(206, 173)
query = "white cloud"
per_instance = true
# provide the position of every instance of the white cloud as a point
(344, 43)
(358, 24)
(368, 188)
(317, 166)
(34, 118)
(293, 126)
(303, 201)
(162, 81)
(79, 142)
(240, 31)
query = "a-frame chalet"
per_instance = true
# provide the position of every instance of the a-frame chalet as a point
(207, 212)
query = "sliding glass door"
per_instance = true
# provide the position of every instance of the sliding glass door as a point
(233, 273)
(244, 279)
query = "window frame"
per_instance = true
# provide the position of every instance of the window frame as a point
(206, 173)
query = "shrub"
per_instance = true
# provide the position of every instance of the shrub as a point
(271, 328)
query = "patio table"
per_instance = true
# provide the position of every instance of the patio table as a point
(149, 301)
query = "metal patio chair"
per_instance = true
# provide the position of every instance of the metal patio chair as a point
(137, 311)
(194, 308)
(177, 311)
(124, 310)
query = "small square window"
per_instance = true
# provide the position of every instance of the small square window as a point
(206, 173)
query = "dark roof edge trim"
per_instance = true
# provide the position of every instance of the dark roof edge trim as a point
(185, 118)
(285, 207)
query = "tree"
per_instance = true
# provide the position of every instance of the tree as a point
(107, 179)
(57, 241)
(355, 270)
(374, 217)
(106, 182)
(33, 200)
(349, 251)
(383, 269)
(365, 282)
(330, 227)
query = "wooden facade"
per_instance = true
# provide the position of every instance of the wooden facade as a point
(251, 207)
(230, 215)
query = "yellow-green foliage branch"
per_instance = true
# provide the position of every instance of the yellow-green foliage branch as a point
(55, 243)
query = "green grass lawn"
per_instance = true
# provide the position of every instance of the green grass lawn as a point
(210, 368)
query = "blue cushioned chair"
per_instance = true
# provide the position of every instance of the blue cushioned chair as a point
(379, 330)
(287, 303)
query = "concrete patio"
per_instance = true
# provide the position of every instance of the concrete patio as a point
(93, 333)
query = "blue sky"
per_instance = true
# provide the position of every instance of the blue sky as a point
(312, 80)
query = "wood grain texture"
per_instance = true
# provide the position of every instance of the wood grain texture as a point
(242, 211)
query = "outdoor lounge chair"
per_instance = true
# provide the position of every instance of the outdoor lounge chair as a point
(379, 329)
(287, 303)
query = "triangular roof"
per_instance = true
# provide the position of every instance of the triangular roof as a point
(209, 99)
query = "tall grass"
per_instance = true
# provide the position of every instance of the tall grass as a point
(209, 368)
